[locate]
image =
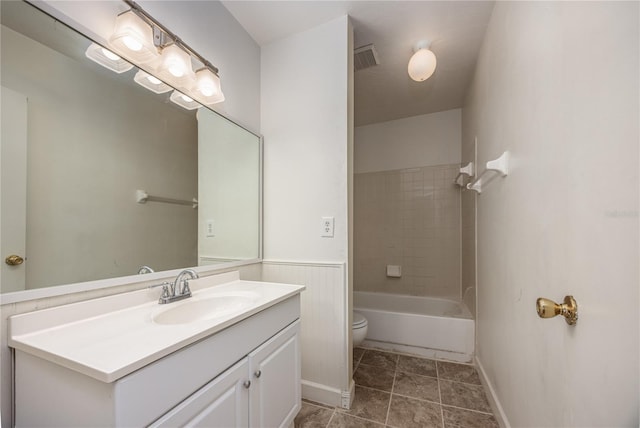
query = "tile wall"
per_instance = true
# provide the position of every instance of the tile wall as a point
(408, 217)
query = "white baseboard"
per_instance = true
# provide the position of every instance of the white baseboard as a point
(435, 354)
(321, 393)
(496, 407)
(348, 396)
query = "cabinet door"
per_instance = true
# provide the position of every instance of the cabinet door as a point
(275, 380)
(223, 403)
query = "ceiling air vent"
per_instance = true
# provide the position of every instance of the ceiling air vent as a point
(365, 57)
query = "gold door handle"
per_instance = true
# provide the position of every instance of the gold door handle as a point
(14, 260)
(548, 309)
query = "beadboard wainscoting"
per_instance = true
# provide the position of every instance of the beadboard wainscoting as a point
(325, 327)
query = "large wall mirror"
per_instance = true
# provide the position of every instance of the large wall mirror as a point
(100, 176)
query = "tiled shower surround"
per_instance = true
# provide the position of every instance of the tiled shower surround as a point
(408, 217)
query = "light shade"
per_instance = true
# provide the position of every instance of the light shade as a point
(151, 83)
(175, 66)
(107, 59)
(183, 100)
(422, 65)
(207, 87)
(133, 38)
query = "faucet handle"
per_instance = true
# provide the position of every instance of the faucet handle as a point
(165, 290)
(185, 288)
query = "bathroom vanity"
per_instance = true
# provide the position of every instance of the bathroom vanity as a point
(227, 357)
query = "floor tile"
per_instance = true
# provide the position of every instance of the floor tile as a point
(416, 386)
(342, 420)
(312, 416)
(374, 377)
(458, 372)
(464, 395)
(454, 417)
(369, 404)
(385, 360)
(409, 413)
(417, 365)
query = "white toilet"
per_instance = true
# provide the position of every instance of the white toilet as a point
(359, 328)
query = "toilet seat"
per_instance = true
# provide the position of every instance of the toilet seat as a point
(359, 321)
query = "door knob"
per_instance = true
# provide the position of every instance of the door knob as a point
(548, 309)
(13, 260)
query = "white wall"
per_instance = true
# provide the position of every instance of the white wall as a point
(206, 26)
(304, 123)
(557, 85)
(425, 140)
(305, 116)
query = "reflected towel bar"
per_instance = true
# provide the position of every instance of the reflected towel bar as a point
(495, 167)
(143, 197)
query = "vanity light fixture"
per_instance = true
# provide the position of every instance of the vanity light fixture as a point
(183, 100)
(133, 36)
(207, 85)
(106, 58)
(138, 36)
(150, 82)
(423, 62)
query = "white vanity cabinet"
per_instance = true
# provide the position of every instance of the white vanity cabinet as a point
(246, 374)
(262, 390)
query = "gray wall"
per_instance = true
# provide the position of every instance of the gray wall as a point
(91, 143)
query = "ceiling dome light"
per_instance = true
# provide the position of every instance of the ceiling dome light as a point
(422, 64)
(133, 37)
(207, 87)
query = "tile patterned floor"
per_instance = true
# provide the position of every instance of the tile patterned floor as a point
(396, 390)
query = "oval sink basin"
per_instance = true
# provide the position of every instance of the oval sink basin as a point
(206, 308)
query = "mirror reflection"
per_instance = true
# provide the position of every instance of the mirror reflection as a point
(79, 145)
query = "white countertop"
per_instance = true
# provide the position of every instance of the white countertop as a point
(108, 339)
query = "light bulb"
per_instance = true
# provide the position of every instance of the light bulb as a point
(110, 55)
(132, 43)
(175, 64)
(153, 79)
(150, 82)
(133, 38)
(207, 91)
(183, 100)
(208, 84)
(176, 69)
(106, 58)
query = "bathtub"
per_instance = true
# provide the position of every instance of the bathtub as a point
(431, 327)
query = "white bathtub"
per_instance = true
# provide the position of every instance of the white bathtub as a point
(431, 327)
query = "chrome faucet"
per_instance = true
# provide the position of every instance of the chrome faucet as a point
(145, 269)
(179, 289)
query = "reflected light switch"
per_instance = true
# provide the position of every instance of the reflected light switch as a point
(209, 233)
